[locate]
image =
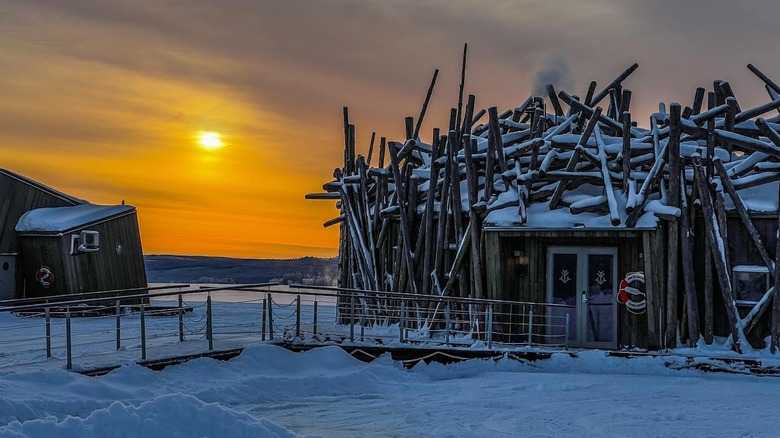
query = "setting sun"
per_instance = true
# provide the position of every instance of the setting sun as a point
(210, 140)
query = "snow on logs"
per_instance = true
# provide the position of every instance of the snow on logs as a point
(408, 223)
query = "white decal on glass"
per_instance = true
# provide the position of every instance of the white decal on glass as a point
(601, 278)
(564, 276)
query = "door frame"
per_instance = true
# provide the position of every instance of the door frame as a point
(581, 310)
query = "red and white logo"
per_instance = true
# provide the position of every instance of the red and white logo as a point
(631, 293)
(45, 276)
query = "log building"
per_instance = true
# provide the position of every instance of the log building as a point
(653, 236)
(54, 244)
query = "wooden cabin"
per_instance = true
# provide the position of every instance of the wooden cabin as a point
(641, 238)
(55, 244)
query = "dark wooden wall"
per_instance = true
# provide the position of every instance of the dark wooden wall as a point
(506, 281)
(107, 269)
(19, 195)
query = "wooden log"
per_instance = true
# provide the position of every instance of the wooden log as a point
(371, 148)
(404, 223)
(725, 88)
(718, 252)
(711, 113)
(775, 325)
(729, 120)
(689, 281)
(382, 147)
(459, 111)
(769, 83)
(747, 143)
(744, 216)
(588, 111)
(558, 193)
(626, 149)
(617, 81)
(673, 235)
(710, 134)
(768, 131)
(756, 111)
(428, 251)
(698, 100)
(614, 215)
(444, 202)
(336, 220)
(474, 222)
(417, 127)
(625, 101)
(491, 154)
(497, 138)
(708, 296)
(554, 100)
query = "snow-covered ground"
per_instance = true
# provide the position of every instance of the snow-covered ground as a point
(270, 392)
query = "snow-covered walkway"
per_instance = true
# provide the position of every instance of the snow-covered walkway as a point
(269, 391)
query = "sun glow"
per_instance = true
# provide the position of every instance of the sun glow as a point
(210, 140)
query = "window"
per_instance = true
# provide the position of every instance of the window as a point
(750, 283)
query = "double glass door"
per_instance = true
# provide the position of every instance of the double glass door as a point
(586, 279)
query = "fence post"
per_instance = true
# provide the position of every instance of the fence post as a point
(118, 324)
(209, 323)
(566, 342)
(314, 329)
(143, 332)
(270, 318)
(352, 317)
(489, 325)
(68, 345)
(48, 332)
(262, 325)
(181, 319)
(402, 321)
(531, 325)
(298, 316)
(447, 323)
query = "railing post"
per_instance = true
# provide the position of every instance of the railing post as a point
(48, 332)
(566, 342)
(209, 323)
(143, 331)
(68, 345)
(298, 316)
(489, 325)
(531, 326)
(447, 323)
(402, 321)
(262, 326)
(118, 324)
(181, 319)
(314, 328)
(352, 317)
(270, 318)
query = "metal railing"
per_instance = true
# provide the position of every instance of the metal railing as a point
(386, 317)
(176, 320)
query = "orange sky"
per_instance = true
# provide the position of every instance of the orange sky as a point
(104, 100)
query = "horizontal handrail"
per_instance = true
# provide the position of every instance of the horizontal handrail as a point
(137, 296)
(55, 298)
(418, 297)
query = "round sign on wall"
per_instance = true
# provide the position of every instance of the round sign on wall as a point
(45, 276)
(632, 292)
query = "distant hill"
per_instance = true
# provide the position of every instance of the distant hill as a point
(224, 270)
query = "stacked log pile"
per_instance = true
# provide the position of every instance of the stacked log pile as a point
(412, 212)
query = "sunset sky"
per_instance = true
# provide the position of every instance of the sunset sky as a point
(105, 100)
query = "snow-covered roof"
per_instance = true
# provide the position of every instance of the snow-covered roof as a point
(61, 219)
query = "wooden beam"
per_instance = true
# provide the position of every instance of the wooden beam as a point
(718, 252)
